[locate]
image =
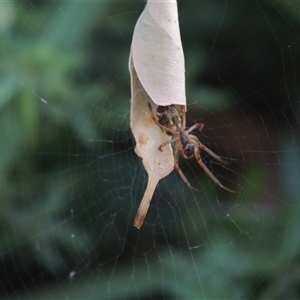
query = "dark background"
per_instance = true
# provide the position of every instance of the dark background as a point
(71, 182)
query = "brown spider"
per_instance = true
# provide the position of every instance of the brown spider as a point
(171, 119)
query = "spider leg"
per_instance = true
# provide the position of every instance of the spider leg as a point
(209, 173)
(183, 124)
(151, 110)
(176, 166)
(212, 154)
(166, 143)
(201, 125)
(157, 123)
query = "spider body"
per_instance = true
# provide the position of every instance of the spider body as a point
(171, 119)
(187, 148)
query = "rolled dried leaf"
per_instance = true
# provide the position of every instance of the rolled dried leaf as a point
(157, 53)
(149, 137)
(156, 67)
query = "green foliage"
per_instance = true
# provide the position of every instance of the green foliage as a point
(71, 182)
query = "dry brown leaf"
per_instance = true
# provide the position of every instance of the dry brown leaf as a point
(157, 53)
(149, 137)
(156, 66)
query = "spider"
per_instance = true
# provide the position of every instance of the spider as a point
(171, 119)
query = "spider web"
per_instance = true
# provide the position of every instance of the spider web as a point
(71, 182)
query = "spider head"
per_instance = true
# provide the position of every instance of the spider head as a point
(188, 150)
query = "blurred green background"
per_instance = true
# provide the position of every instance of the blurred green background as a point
(71, 182)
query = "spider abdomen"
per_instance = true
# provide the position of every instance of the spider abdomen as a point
(169, 116)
